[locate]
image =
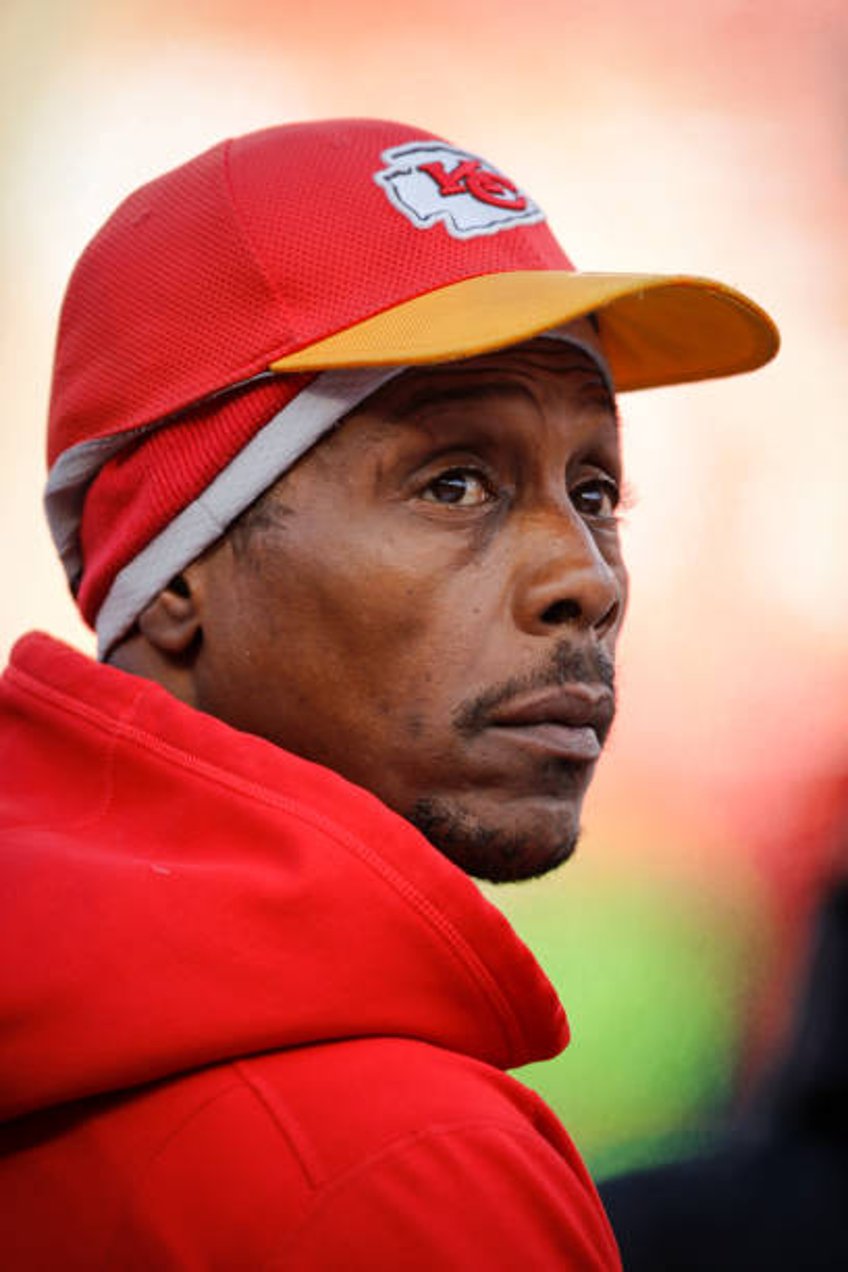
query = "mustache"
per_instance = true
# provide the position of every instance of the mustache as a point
(566, 665)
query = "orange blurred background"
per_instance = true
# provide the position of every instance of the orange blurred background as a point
(706, 138)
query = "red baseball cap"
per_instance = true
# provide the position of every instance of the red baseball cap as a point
(336, 244)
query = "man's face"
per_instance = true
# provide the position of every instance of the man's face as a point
(429, 602)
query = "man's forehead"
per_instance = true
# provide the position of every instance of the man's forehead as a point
(545, 364)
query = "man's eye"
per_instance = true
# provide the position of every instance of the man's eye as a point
(596, 498)
(462, 487)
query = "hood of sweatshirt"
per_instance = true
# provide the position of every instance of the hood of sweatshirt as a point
(178, 893)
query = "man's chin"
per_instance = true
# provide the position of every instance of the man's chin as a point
(488, 848)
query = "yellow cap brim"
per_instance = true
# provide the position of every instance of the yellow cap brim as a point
(656, 329)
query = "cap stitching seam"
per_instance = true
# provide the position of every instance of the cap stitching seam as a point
(246, 237)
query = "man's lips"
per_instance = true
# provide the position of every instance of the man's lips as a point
(570, 721)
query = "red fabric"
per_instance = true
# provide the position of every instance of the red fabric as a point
(260, 246)
(141, 489)
(250, 1017)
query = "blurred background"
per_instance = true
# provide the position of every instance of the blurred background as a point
(701, 136)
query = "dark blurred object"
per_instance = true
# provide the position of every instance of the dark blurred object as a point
(775, 1193)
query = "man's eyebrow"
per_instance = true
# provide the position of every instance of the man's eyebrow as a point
(428, 395)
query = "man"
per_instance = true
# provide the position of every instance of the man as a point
(334, 467)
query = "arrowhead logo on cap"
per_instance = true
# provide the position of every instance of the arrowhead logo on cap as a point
(431, 181)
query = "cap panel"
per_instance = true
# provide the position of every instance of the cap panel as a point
(335, 247)
(164, 307)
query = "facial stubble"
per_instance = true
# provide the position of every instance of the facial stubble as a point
(491, 852)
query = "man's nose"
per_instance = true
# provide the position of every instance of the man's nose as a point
(564, 579)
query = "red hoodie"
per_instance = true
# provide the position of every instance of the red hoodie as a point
(250, 1018)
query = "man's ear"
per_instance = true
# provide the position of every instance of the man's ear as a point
(171, 622)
